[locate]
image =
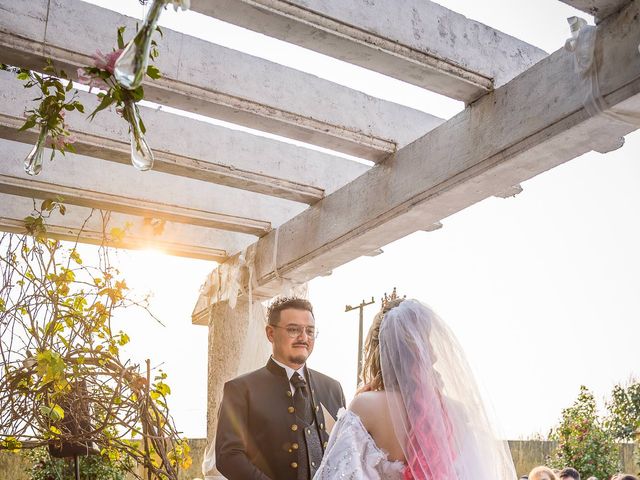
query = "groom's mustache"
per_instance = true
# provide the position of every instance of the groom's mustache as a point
(301, 345)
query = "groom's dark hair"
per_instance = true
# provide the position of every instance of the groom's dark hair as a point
(283, 303)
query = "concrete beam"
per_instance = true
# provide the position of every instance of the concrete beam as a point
(215, 81)
(26, 187)
(86, 226)
(599, 9)
(537, 121)
(91, 182)
(193, 149)
(419, 42)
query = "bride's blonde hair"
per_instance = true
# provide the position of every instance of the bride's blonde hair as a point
(371, 370)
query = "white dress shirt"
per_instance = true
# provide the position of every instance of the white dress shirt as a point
(290, 371)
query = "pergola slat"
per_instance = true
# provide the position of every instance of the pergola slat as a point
(419, 41)
(85, 226)
(193, 149)
(205, 78)
(92, 182)
(133, 206)
(537, 121)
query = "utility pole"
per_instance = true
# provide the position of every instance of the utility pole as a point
(348, 308)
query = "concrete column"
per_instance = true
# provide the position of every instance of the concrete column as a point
(237, 345)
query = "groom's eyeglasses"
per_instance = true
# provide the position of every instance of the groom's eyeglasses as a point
(294, 331)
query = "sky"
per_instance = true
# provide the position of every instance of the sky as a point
(541, 289)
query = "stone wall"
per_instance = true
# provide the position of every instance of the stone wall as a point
(526, 455)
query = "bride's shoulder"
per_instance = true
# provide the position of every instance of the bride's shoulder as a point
(367, 403)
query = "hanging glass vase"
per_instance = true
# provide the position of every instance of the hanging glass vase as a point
(33, 162)
(141, 154)
(131, 66)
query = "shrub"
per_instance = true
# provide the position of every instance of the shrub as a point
(92, 467)
(624, 415)
(583, 441)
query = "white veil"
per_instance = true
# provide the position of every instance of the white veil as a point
(436, 407)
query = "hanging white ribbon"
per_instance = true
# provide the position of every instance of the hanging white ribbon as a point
(583, 45)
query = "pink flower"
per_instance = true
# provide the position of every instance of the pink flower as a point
(59, 142)
(106, 62)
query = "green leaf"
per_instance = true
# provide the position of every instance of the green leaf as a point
(106, 101)
(120, 37)
(29, 123)
(153, 72)
(23, 76)
(12, 444)
(58, 412)
(143, 129)
(137, 94)
(162, 388)
(79, 106)
(47, 205)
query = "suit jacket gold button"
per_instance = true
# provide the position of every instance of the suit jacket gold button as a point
(294, 427)
(325, 444)
(294, 446)
(289, 394)
(317, 408)
(322, 426)
(294, 464)
(291, 409)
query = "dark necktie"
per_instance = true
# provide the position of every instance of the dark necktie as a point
(301, 398)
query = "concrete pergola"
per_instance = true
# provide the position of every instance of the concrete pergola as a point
(274, 214)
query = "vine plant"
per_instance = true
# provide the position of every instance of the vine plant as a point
(63, 380)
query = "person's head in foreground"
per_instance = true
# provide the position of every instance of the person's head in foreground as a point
(569, 473)
(542, 473)
(624, 476)
(435, 405)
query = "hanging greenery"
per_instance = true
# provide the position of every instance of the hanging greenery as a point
(118, 74)
(101, 76)
(49, 116)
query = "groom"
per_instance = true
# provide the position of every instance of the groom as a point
(273, 422)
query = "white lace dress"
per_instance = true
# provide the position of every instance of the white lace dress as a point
(352, 454)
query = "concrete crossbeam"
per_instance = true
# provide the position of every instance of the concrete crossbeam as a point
(26, 187)
(419, 41)
(537, 121)
(86, 226)
(600, 9)
(215, 81)
(91, 182)
(193, 149)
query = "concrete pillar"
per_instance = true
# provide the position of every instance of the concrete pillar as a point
(237, 345)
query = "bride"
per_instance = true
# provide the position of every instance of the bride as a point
(419, 414)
